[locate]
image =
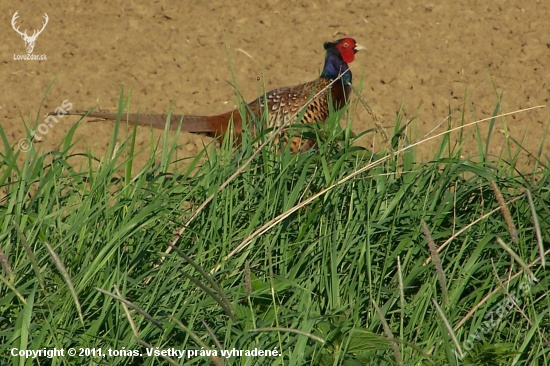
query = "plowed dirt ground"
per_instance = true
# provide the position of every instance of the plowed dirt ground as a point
(430, 57)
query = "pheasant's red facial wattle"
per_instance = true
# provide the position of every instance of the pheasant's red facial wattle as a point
(347, 49)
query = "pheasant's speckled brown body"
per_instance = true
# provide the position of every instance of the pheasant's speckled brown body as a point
(283, 104)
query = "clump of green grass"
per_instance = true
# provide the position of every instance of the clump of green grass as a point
(325, 256)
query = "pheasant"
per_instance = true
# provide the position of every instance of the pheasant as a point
(283, 104)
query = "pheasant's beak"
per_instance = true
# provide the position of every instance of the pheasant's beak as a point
(358, 47)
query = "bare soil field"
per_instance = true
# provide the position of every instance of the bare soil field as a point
(430, 58)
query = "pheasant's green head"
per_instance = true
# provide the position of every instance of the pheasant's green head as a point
(339, 54)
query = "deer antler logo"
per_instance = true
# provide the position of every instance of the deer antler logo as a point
(29, 40)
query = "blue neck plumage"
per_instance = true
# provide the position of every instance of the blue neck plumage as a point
(334, 66)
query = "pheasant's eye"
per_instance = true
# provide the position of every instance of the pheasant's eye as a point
(345, 45)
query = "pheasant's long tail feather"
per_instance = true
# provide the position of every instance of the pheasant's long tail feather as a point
(210, 125)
